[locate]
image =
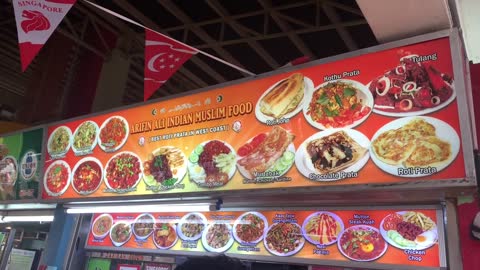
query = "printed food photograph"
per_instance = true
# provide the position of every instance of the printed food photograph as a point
(332, 151)
(164, 235)
(217, 237)
(415, 142)
(191, 226)
(250, 227)
(284, 239)
(59, 141)
(212, 164)
(123, 172)
(284, 99)
(113, 134)
(165, 166)
(101, 226)
(87, 176)
(409, 230)
(57, 178)
(362, 243)
(143, 226)
(322, 228)
(120, 233)
(338, 104)
(267, 152)
(411, 88)
(85, 137)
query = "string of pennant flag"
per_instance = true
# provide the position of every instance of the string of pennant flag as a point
(37, 20)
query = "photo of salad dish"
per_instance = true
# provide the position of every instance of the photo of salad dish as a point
(164, 235)
(191, 226)
(212, 164)
(409, 230)
(217, 237)
(57, 178)
(85, 138)
(249, 228)
(87, 176)
(322, 228)
(113, 134)
(284, 239)
(267, 154)
(123, 172)
(165, 166)
(143, 226)
(362, 243)
(120, 233)
(59, 142)
(338, 104)
(101, 226)
(411, 88)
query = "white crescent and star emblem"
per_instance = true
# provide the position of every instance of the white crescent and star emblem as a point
(151, 62)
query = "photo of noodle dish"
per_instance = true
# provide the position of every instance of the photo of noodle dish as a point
(267, 155)
(212, 164)
(332, 155)
(414, 146)
(87, 176)
(411, 88)
(217, 237)
(322, 228)
(361, 243)
(409, 230)
(85, 138)
(57, 178)
(249, 228)
(284, 239)
(165, 167)
(191, 226)
(113, 133)
(338, 104)
(164, 235)
(59, 142)
(123, 172)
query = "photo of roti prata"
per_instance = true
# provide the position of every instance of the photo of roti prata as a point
(284, 97)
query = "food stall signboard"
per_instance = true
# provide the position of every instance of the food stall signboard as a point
(381, 118)
(407, 237)
(20, 156)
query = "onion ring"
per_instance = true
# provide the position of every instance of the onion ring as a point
(387, 86)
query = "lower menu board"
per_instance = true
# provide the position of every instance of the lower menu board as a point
(394, 236)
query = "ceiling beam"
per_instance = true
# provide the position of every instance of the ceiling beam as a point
(341, 30)
(237, 27)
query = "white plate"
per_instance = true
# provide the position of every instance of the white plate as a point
(139, 174)
(276, 253)
(264, 118)
(94, 143)
(62, 153)
(230, 173)
(137, 219)
(393, 243)
(305, 165)
(180, 171)
(419, 112)
(105, 233)
(221, 249)
(184, 220)
(363, 92)
(75, 169)
(119, 244)
(239, 219)
(443, 131)
(174, 242)
(357, 227)
(334, 216)
(61, 162)
(127, 130)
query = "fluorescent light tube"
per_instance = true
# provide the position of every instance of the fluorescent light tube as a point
(141, 208)
(27, 219)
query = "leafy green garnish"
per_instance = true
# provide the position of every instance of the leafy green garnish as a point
(348, 92)
(323, 99)
(330, 113)
(339, 101)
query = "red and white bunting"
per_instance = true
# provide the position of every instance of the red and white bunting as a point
(36, 20)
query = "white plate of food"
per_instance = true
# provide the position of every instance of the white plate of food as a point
(191, 226)
(164, 235)
(57, 178)
(59, 142)
(217, 237)
(165, 167)
(85, 138)
(400, 147)
(322, 228)
(290, 242)
(409, 230)
(87, 176)
(101, 226)
(113, 133)
(348, 153)
(212, 164)
(284, 99)
(362, 243)
(143, 226)
(255, 160)
(338, 104)
(120, 233)
(121, 178)
(250, 228)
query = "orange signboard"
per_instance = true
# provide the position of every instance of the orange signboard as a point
(380, 118)
(392, 237)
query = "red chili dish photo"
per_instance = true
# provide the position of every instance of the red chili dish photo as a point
(87, 176)
(113, 133)
(362, 243)
(123, 171)
(57, 178)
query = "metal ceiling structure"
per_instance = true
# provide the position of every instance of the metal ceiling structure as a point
(258, 35)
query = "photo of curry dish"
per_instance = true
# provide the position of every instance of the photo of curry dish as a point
(120, 233)
(113, 133)
(164, 235)
(362, 243)
(101, 226)
(143, 226)
(87, 176)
